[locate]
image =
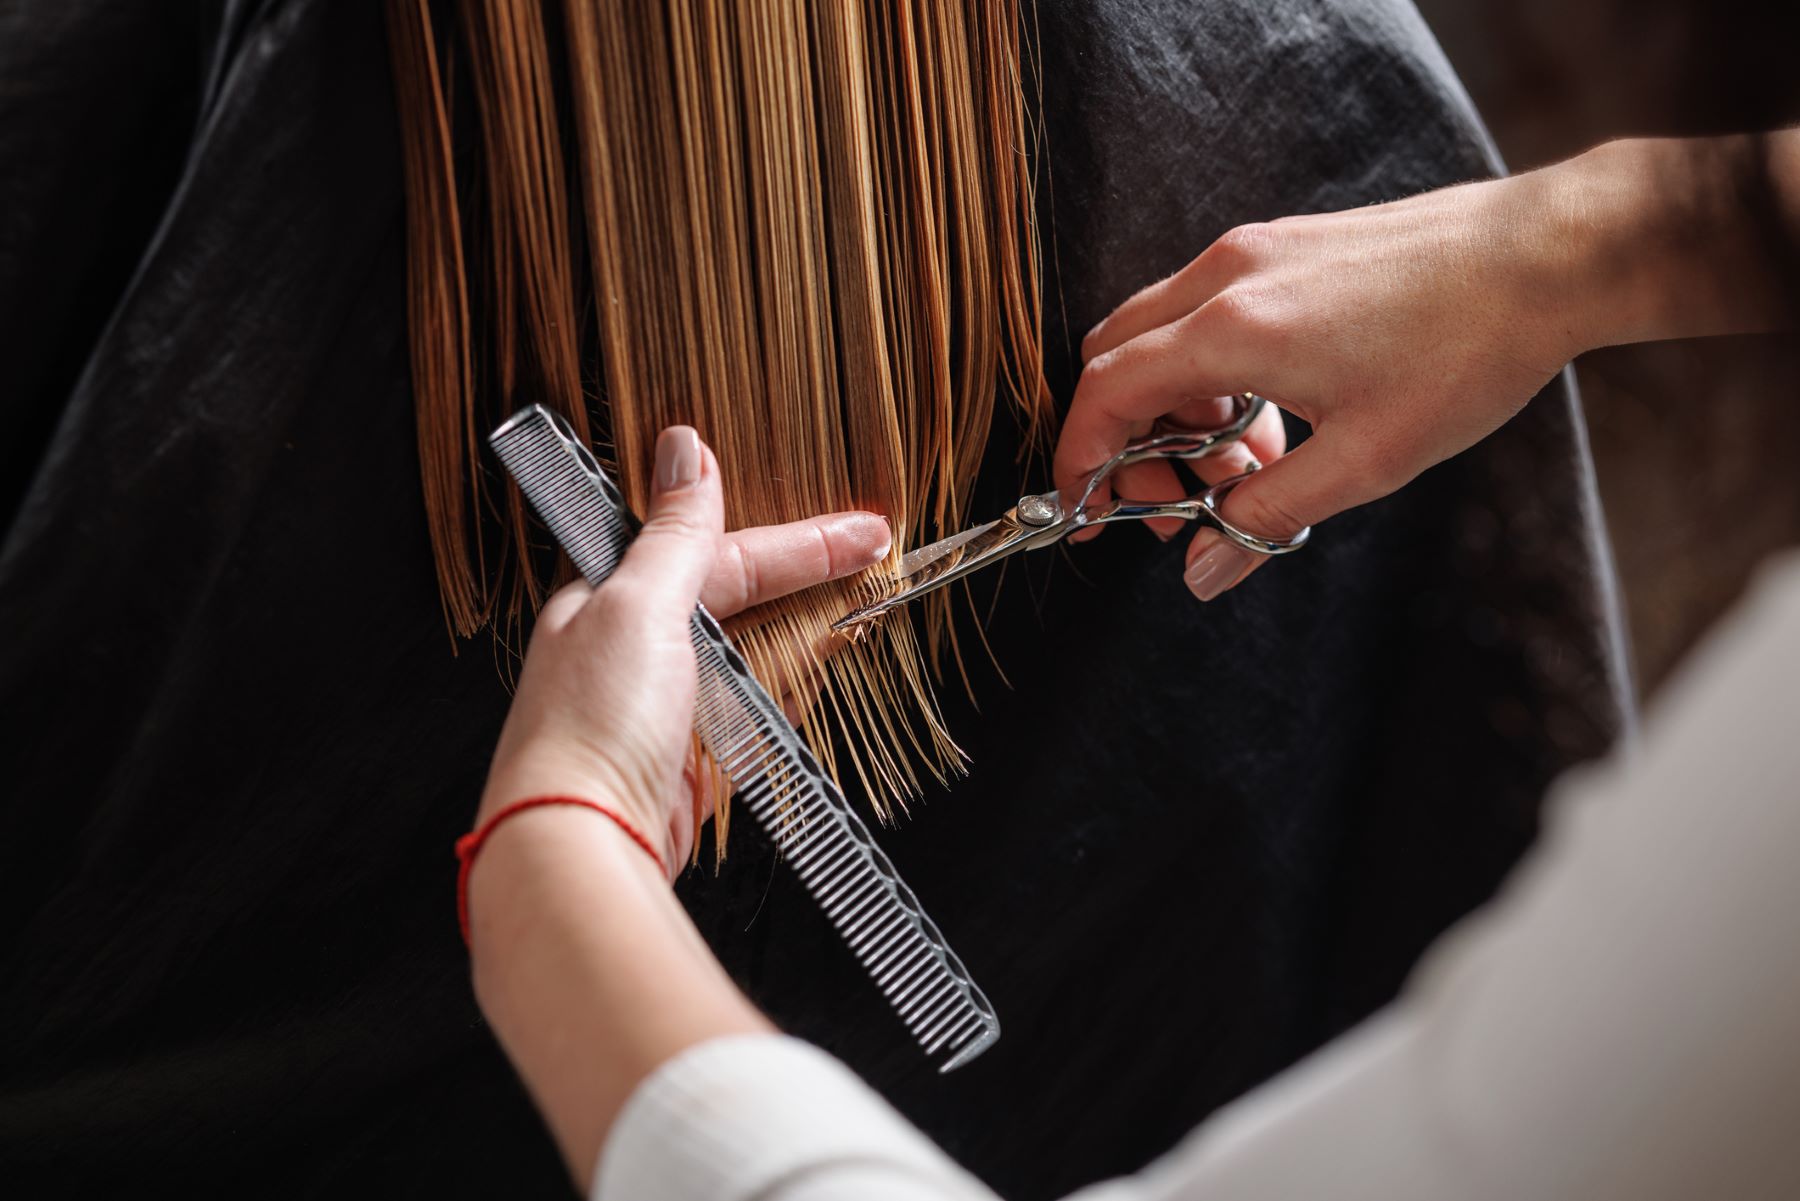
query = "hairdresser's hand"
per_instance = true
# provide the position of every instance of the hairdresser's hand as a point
(604, 708)
(1406, 332)
(1402, 333)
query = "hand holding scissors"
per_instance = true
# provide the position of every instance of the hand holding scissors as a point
(1045, 519)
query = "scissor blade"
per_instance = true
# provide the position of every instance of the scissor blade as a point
(951, 559)
(914, 560)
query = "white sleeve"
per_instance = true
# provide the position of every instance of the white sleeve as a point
(769, 1118)
(1623, 1023)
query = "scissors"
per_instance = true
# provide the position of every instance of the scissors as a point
(1042, 520)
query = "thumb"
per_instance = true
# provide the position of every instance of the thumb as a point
(1315, 480)
(676, 549)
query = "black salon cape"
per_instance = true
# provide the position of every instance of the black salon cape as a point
(1195, 840)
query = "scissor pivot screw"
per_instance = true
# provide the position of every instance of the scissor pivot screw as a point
(1038, 510)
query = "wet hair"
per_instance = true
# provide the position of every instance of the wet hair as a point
(806, 230)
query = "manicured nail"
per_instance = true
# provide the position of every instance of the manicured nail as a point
(1217, 569)
(677, 458)
(873, 533)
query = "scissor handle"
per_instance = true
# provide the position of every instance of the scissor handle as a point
(1166, 440)
(1203, 507)
(1209, 502)
(1169, 441)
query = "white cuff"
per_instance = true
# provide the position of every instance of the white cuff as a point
(764, 1117)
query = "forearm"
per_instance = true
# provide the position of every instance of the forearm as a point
(1673, 238)
(589, 970)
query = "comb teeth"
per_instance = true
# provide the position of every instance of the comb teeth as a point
(560, 477)
(800, 807)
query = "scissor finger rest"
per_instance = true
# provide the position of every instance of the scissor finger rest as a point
(1213, 497)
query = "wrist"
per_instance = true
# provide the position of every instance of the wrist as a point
(548, 770)
(1655, 242)
(1590, 224)
(540, 866)
(588, 970)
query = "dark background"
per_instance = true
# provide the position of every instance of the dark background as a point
(1694, 442)
(228, 961)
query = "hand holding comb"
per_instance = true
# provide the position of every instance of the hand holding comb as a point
(770, 768)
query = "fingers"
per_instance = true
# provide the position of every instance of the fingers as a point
(1193, 359)
(1317, 480)
(1215, 565)
(1154, 482)
(1266, 440)
(758, 565)
(1173, 342)
(1204, 413)
(675, 551)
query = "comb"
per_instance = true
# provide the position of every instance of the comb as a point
(772, 772)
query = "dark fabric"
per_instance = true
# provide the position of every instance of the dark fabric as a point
(1195, 840)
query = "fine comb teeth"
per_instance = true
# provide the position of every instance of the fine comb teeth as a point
(770, 768)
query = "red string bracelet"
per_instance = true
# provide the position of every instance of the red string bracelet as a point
(470, 844)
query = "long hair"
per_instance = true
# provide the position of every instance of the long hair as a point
(806, 230)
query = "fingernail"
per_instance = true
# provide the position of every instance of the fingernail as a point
(1217, 569)
(865, 527)
(677, 458)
